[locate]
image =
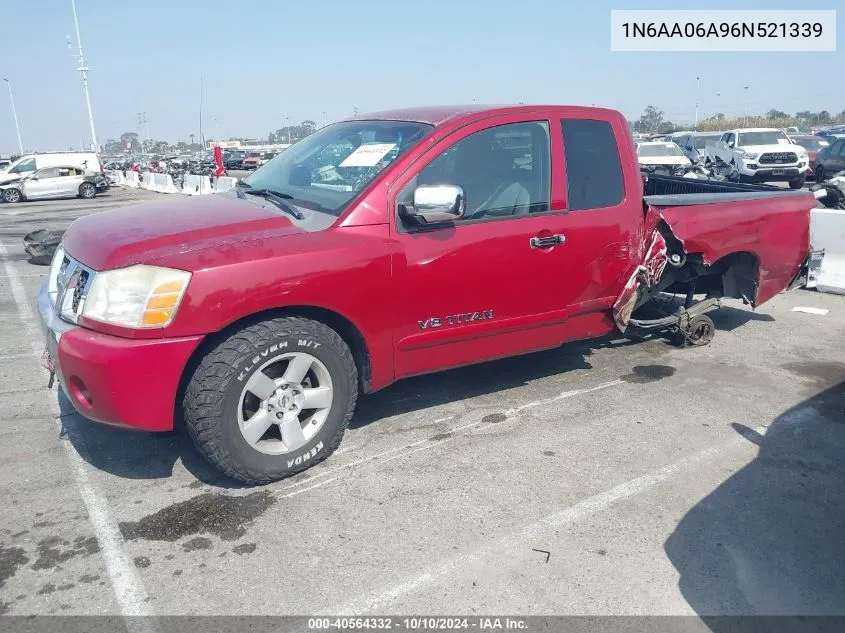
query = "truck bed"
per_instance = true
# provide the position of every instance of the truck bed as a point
(676, 191)
(718, 224)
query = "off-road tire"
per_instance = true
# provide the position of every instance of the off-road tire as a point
(213, 392)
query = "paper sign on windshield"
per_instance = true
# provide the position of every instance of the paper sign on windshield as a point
(367, 155)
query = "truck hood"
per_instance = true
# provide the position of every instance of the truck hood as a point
(143, 233)
(777, 147)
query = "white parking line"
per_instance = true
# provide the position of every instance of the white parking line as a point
(567, 516)
(427, 444)
(128, 588)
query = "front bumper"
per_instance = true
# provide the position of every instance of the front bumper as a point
(123, 382)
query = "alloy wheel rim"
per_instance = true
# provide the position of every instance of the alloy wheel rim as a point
(285, 403)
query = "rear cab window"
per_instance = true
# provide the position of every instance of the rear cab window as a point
(593, 166)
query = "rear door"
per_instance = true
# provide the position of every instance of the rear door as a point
(68, 181)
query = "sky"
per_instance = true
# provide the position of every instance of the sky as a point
(265, 63)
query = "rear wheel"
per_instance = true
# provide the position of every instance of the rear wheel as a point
(12, 195)
(699, 331)
(87, 190)
(272, 399)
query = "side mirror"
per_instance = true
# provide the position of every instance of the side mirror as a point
(731, 144)
(439, 203)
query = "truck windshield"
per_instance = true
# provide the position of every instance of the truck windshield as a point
(766, 137)
(664, 149)
(326, 170)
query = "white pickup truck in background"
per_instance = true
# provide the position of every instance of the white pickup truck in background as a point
(762, 155)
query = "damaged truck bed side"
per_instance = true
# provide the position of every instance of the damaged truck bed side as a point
(717, 239)
(387, 246)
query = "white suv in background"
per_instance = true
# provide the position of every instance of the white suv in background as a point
(763, 155)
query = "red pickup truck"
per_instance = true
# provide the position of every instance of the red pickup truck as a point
(388, 246)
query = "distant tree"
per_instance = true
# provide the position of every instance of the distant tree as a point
(112, 146)
(650, 119)
(841, 116)
(777, 114)
(667, 127)
(806, 114)
(130, 140)
(824, 116)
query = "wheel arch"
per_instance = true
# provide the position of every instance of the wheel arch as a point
(345, 328)
(736, 275)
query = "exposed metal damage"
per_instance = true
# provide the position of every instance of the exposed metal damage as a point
(666, 266)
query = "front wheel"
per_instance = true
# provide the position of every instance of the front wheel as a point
(87, 190)
(797, 184)
(12, 195)
(272, 399)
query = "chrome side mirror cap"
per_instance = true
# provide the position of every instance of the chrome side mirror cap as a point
(439, 203)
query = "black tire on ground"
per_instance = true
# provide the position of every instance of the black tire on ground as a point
(699, 332)
(820, 174)
(12, 195)
(797, 184)
(213, 394)
(87, 190)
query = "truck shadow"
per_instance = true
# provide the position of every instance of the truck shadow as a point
(768, 541)
(141, 455)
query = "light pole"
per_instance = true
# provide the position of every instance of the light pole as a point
(745, 105)
(83, 68)
(14, 114)
(697, 93)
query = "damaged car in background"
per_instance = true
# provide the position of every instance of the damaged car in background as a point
(261, 314)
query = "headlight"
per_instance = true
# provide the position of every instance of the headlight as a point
(750, 155)
(136, 297)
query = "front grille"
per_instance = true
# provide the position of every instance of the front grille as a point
(69, 285)
(778, 158)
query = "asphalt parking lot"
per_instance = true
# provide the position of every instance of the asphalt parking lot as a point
(605, 477)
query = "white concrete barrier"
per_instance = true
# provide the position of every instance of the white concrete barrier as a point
(827, 231)
(194, 185)
(147, 180)
(132, 180)
(225, 183)
(163, 183)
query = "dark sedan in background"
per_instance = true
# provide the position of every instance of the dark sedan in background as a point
(813, 144)
(830, 160)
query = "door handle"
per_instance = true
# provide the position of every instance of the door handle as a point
(546, 242)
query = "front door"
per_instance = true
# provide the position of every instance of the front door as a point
(42, 184)
(482, 287)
